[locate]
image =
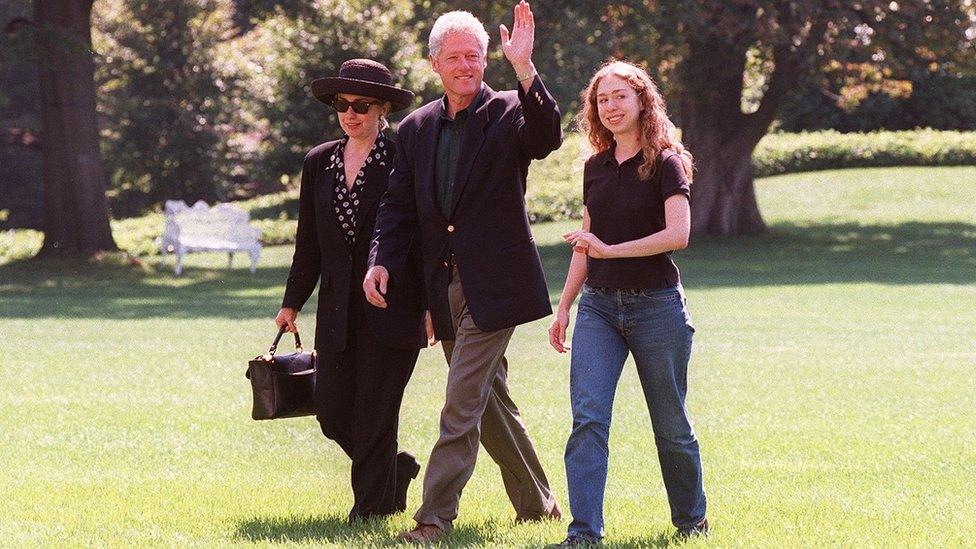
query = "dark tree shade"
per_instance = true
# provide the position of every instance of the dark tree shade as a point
(76, 217)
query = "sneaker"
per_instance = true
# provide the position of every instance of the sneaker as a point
(700, 529)
(554, 514)
(578, 540)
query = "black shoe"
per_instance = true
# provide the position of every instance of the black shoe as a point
(700, 529)
(578, 540)
(407, 468)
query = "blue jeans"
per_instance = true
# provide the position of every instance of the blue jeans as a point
(655, 326)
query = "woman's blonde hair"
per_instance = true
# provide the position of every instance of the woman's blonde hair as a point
(657, 132)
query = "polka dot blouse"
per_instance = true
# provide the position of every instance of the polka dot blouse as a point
(346, 201)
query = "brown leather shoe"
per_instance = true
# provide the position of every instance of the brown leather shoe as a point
(554, 514)
(422, 533)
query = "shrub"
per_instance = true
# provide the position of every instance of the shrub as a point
(781, 153)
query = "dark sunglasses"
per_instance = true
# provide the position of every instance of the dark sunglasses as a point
(359, 106)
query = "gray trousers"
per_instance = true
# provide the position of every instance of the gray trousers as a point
(478, 405)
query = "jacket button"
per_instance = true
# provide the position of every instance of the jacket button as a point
(450, 228)
(445, 264)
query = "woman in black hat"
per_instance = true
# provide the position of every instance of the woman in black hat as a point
(365, 355)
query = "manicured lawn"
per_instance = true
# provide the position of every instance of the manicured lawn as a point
(832, 388)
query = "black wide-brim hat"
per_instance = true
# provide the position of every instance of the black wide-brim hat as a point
(362, 77)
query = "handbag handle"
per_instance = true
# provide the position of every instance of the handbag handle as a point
(281, 332)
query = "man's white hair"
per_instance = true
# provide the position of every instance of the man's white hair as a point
(456, 22)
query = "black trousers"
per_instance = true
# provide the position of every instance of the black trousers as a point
(357, 396)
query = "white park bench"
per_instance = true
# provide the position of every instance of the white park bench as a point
(223, 228)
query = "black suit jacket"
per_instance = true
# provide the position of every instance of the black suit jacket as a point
(488, 229)
(321, 252)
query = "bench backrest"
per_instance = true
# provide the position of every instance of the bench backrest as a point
(201, 222)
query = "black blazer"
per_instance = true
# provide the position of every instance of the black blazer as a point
(321, 252)
(488, 229)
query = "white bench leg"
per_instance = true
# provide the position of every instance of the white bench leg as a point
(255, 255)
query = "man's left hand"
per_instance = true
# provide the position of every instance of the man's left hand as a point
(517, 46)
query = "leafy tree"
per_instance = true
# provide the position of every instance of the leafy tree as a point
(248, 13)
(164, 95)
(937, 100)
(704, 47)
(20, 124)
(277, 60)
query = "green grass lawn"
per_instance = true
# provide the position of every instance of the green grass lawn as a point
(832, 390)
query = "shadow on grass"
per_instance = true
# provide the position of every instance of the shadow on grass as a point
(789, 254)
(335, 529)
(663, 539)
(52, 288)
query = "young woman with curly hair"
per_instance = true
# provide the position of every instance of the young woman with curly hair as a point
(636, 188)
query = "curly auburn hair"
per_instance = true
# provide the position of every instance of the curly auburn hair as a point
(657, 132)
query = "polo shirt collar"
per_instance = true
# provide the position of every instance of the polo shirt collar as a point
(470, 108)
(609, 158)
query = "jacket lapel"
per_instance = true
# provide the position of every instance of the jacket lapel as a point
(427, 136)
(474, 137)
(377, 175)
(327, 183)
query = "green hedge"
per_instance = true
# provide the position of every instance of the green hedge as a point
(780, 153)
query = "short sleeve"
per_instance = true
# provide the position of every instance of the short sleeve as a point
(673, 178)
(586, 186)
(588, 177)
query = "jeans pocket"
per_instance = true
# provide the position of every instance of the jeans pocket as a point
(684, 309)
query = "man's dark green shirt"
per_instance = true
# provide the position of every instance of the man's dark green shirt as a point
(448, 148)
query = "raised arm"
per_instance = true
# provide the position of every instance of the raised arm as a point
(539, 124)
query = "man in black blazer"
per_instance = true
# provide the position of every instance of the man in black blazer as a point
(458, 184)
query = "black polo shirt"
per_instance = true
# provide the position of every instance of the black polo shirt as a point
(624, 208)
(448, 148)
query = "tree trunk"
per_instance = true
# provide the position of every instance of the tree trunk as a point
(723, 198)
(76, 216)
(721, 137)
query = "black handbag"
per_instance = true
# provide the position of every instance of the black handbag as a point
(283, 385)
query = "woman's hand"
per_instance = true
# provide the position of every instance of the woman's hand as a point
(587, 243)
(429, 325)
(557, 331)
(286, 319)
